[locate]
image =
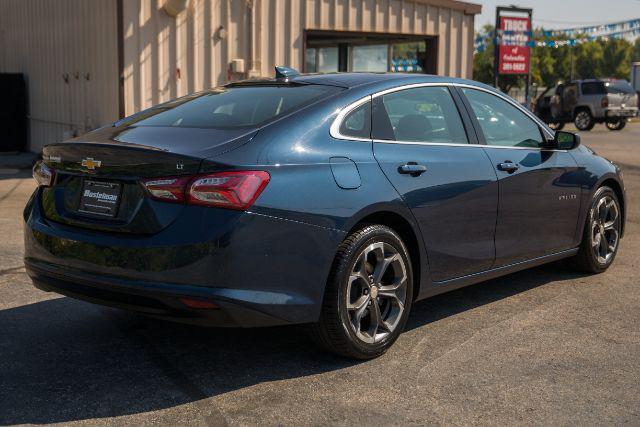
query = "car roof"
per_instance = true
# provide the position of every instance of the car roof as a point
(351, 80)
(347, 80)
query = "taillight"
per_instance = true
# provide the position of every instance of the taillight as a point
(43, 174)
(199, 304)
(604, 103)
(170, 189)
(231, 190)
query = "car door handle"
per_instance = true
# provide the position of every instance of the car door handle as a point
(412, 169)
(508, 166)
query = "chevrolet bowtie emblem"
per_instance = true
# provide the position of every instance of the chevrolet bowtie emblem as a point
(91, 164)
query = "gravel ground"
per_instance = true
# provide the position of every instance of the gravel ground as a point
(544, 346)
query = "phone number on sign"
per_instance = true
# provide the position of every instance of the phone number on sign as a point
(509, 66)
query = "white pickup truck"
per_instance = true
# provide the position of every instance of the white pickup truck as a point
(587, 102)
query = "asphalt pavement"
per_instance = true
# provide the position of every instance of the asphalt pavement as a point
(543, 346)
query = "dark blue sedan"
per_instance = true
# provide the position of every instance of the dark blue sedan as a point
(335, 200)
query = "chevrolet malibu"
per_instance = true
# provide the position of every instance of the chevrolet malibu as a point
(332, 200)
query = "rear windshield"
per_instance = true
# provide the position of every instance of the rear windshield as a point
(619, 86)
(603, 87)
(233, 107)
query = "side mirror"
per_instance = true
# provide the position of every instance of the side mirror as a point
(565, 140)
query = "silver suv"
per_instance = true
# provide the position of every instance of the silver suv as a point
(587, 102)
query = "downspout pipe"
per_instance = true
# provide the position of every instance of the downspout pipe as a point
(253, 47)
(120, 36)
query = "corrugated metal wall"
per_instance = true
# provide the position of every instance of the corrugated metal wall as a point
(49, 41)
(68, 49)
(167, 57)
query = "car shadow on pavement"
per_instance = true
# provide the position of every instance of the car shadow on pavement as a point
(450, 303)
(63, 360)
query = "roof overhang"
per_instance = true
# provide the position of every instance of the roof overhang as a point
(463, 6)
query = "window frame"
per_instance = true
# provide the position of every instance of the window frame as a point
(466, 125)
(480, 133)
(348, 114)
(334, 130)
(547, 133)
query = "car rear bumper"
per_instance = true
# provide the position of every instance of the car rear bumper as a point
(161, 300)
(619, 112)
(260, 270)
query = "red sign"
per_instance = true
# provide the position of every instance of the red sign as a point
(514, 48)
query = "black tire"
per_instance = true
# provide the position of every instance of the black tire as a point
(583, 120)
(335, 331)
(616, 124)
(589, 259)
(556, 125)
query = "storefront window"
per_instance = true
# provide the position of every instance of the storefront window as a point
(332, 53)
(374, 58)
(327, 59)
(310, 64)
(408, 57)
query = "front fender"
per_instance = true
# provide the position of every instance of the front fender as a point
(595, 172)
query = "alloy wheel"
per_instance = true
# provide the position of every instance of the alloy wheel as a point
(583, 119)
(615, 125)
(376, 292)
(605, 229)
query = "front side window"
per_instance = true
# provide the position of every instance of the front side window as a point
(549, 92)
(570, 93)
(424, 114)
(502, 123)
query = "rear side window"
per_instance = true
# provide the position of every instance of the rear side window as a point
(593, 88)
(423, 114)
(357, 123)
(502, 123)
(235, 107)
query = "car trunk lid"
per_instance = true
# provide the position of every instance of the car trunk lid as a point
(98, 177)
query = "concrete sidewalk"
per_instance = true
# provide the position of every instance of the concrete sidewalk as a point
(15, 160)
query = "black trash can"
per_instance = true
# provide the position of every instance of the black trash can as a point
(13, 112)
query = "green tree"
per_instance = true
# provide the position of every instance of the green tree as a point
(561, 62)
(588, 60)
(616, 61)
(636, 50)
(542, 67)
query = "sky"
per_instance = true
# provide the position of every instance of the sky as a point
(564, 13)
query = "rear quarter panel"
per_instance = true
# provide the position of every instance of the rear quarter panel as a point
(297, 153)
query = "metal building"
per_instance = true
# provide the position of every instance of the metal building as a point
(88, 62)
